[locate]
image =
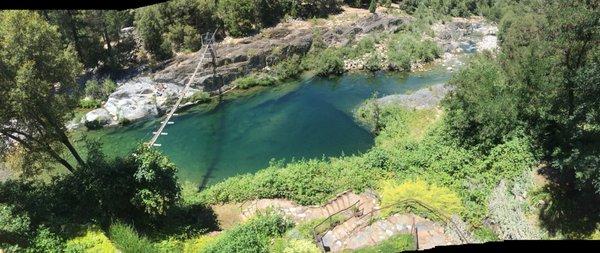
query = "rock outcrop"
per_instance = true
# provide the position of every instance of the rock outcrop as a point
(149, 96)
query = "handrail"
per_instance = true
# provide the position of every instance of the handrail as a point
(443, 217)
(182, 93)
(315, 234)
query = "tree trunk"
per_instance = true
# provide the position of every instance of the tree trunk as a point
(73, 28)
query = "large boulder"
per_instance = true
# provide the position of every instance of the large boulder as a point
(96, 118)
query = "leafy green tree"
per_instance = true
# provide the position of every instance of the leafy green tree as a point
(38, 77)
(551, 57)
(373, 6)
(149, 23)
(239, 16)
(482, 110)
(157, 189)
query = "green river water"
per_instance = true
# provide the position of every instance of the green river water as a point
(310, 118)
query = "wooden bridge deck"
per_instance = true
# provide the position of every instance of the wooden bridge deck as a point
(171, 112)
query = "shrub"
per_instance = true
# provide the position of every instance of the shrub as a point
(198, 244)
(404, 49)
(251, 236)
(325, 62)
(397, 243)
(92, 241)
(507, 210)
(198, 97)
(289, 245)
(255, 80)
(90, 103)
(93, 89)
(481, 109)
(306, 182)
(157, 181)
(239, 16)
(46, 241)
(442, 199)
(127, 240)
(108, 86)
(14, 226)
(289, 68)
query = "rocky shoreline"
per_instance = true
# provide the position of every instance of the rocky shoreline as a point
(150, 95)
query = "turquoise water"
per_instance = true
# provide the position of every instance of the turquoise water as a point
(311, 118)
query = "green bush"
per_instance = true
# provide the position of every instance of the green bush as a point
(481, 109)
(93, 89)
(90, 103)
(397, 243)
(198, 97)
(404, 49)
(288, 68)
(442, 199)
(307, 182)
(91, 241)
(127, 239)
(251, 236)
(14, 226)
(253, 80)
(325, 62)
(46, 241)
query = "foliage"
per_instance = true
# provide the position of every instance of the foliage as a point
(481, 109)
(13, 225)
(461, 8)
(251, 236)
(158, 189)
(288, 68)
(198, 244)
(127, 240)
(184, 37)
(508, 211)
(37, 75)
(404, 49)
(91, 241)
(253, 80)
(324, 62)
(239, 16)
(287, 245)
(148, 23)
(397, 243)
(46, 241)
(373, 6)
(441, 199)
(306, 181)
(90, 103)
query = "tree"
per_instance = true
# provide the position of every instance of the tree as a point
(482, 110)
(239, 16)
(373, 6)
(150, 25)
(37, 77)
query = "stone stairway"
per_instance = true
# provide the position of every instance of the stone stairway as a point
(359, 232)
(364, 202)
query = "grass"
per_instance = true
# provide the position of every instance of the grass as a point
(397, 243)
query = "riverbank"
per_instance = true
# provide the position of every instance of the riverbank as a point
(354, 36)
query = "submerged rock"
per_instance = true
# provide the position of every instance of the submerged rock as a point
(425, 98)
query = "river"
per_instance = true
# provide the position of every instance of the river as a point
(310, 118)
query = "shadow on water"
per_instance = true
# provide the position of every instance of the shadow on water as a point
(216, 142)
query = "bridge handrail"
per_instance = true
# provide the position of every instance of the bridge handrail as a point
(443, 217)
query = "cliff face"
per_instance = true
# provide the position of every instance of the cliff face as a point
(150, 95)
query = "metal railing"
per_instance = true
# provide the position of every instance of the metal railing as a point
(434, 211)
